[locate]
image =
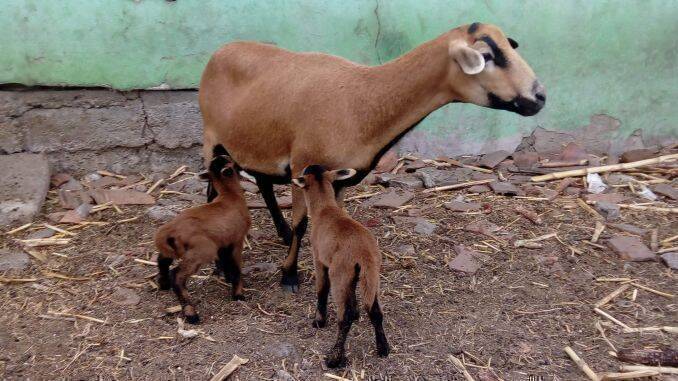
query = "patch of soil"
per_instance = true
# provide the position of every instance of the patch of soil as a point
(514, 315)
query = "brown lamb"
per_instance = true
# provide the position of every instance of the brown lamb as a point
(345, 253)
(213, 232)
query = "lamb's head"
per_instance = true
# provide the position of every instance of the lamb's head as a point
(491, 73)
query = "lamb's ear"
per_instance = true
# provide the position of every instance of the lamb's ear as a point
(299, 181)
(470, 60)
(204, 175)
(343, 174)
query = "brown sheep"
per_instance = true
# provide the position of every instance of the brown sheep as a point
(213, 232)
(278, 111)
(344, 254)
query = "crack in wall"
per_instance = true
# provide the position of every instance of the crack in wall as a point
(376, 40)
(146, 125)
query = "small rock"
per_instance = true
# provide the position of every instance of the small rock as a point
(484, 176)
(482, 227)
(122, 197)
(72, 199)
(467, 260)
(13, 260)
(573, 152)
(460, 206)
(24, 182)
(281, 349)
(424, 227)
(103, 182)
(608, 210)
(630, 248)
(92, 177)
(56, 216)
(491, 160)
(260, 267)
(638, 154)
(406, 182)
(504, 188)
(42, 233)
(59, 179)
(549, 193)
(391, 199)
(596, 184)
(125, 297)
(281, 375)
(646, 193)
(525, 160)
(161, 213)
(479, 189)
(629, 229)
(387, 162)
(72, 185)
(426, 178)
(619, 179)
(406, 250)
(547, 259)
(194, 185)
(614, 198)
(671, 260)
(76, 215)
(414, 165)
(666, 190)
(572, 191)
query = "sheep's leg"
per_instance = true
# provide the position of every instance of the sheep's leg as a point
(164, 264)
(322, 286)
(230, 259)
(377, 319)
(290, 278)
(180, 275)
(343, 294)
(266, 188)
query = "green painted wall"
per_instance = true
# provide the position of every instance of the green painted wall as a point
(612, 57)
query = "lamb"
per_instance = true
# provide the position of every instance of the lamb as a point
(278, 111)
(203, 234)
(344, 254)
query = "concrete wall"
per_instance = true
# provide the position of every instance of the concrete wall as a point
(616, 58)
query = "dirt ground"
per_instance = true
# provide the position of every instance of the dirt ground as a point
(511, 319)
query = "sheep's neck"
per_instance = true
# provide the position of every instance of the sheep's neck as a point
(318, 200)
(407, 89)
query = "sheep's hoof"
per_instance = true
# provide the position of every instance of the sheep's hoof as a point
(383, 351)
(192, 319)
(319, 323)
(290, 282)
(335, 361)
(239, 297)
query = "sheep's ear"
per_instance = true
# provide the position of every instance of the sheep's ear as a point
(470, 60)
(204, 175)
(343, 174)
(299, 181)
(514, 43)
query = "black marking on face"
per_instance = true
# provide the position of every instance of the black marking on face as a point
(218, 163)
(315, 170)
(514, 43)
(499, 57)
(519, 105)
(219, 150)
(473, 27)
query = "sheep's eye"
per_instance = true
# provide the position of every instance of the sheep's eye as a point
(487, 57)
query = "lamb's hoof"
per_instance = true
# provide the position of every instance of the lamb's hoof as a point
(239, 297)
(164, 283)
(335, 361)
(319, 323)
(383, 351)
(290, 282)
(192, 319)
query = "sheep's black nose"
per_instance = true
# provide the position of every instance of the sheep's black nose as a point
(541, 97)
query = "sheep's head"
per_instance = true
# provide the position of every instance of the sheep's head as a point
(316, 176)
(493, 74)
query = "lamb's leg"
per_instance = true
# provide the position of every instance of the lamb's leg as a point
(164, 264)
(290, 278)
(266, 188)
(343, 294)
(377, 319)
(322, 286)
(180, 275)
(230, 259)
